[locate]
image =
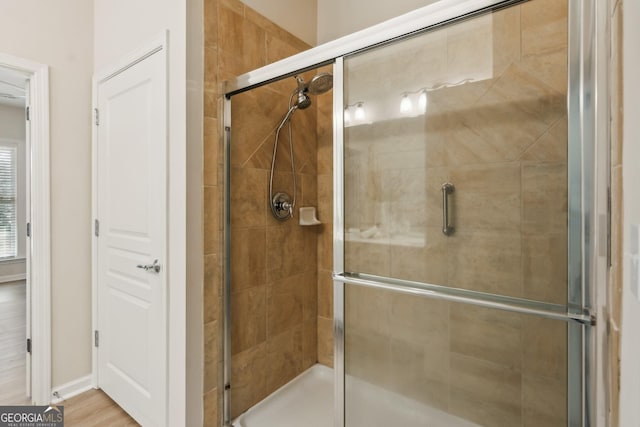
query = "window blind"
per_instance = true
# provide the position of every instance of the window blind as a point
(8, 202)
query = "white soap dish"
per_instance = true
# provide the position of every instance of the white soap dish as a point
(308, 216)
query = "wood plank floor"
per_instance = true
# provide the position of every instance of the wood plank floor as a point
(13, 330)
(95, 408)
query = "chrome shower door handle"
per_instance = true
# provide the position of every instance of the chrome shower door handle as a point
(447, 228)
(155, 267)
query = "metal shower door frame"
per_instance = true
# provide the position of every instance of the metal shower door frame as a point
(584, 204)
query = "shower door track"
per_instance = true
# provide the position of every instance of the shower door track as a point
(464, 296)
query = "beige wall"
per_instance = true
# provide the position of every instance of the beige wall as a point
(337, 18)
(299, 17)
(49, 33)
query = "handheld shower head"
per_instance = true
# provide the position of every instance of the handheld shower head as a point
(320, 84)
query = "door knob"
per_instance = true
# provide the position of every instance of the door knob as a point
(155, 267)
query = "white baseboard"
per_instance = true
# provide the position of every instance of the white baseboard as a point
(72, 388)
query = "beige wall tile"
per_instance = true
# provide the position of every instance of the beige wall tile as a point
(325, 246)
(544, 267)
(249, 197)
(211, 346)
(210, 103)
(211, 68)
(485, 261)
(253, 137)
(423, 321)
(248, 259)
(490, 335)
(290, 250)
(544, 41)
(211, 23)
(485, 393)
(470, 49)
(486, 197)
(242, 43)
(544, 198)
(284, 357)
(249, 376)
(211, 292)
(212, 220)
(248, 318)
(211, 149)
(325, 198)
(309, 190)
(545, 352)
(544, 401)
(370, 258)
(550, 147)
(310, 295)
(507, 35)
(309, 343)
(420, 372)
(284, 304)
(368, 357)
(211, 417)
(325, 294)
(325, 132)
(368, 310)
(325, 341)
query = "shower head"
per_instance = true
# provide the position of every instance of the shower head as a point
(320, 84)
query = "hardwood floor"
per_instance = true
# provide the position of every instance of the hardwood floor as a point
(95, 408)
(13, 326)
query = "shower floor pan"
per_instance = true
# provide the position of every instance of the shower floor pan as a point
(307, 401)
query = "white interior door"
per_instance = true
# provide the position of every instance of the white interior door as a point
(132, 206)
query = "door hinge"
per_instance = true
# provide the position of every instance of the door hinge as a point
(97, 114)
(96, 339)
(28, 345)
(28, 113)
(96, 228)
(28, 229)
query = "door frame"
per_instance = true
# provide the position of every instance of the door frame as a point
(39, 247)
(174, 312)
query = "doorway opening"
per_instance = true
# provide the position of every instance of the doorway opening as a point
(25, 329)
(15, 383)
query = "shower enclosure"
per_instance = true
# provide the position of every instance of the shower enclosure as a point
(462, 220)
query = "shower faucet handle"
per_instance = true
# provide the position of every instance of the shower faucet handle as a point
(282, 206)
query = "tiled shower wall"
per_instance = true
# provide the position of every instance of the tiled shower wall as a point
(325, 232)
(274, 271)
(502, 141)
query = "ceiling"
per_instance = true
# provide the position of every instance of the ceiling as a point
(12, 87)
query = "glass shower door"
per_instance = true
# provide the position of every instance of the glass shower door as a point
(455, 283)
